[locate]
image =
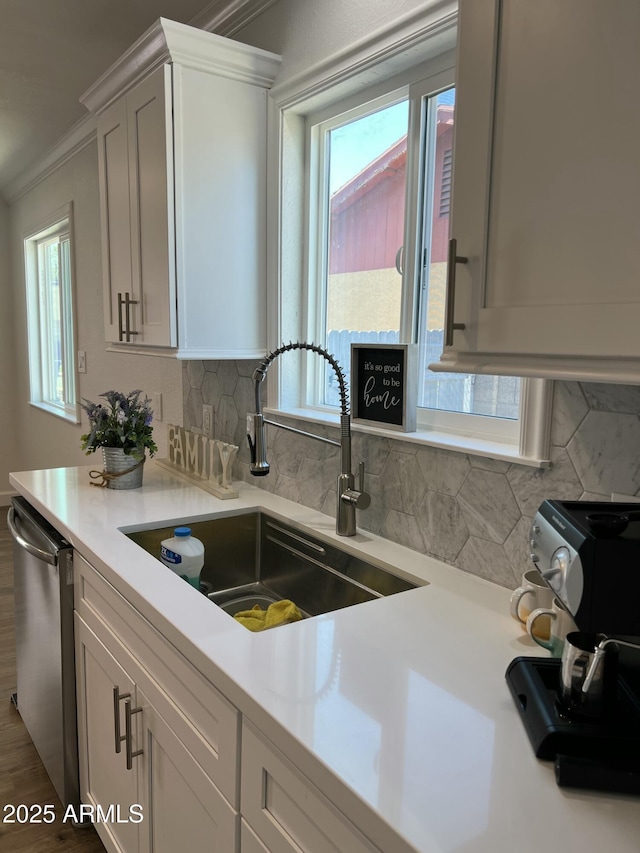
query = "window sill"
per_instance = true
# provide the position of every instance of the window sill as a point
(425, 437)
(72, 416)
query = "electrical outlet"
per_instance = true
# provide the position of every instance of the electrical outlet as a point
(156, 404)
(207, 420)
(82, 361)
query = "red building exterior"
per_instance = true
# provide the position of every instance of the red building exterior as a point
(367, 213)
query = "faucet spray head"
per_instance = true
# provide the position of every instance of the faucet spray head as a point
(256, 436)
(256, 431)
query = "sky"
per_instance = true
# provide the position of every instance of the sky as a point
(356, 144)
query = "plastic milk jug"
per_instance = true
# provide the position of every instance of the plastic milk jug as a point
(184, 554)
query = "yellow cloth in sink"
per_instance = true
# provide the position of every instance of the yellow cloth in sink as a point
(278, 613)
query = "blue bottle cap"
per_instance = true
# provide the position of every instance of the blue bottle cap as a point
(182, 531)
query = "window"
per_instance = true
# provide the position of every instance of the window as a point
(488, 405)
(360, 231)
(377, 199)
(50, 318)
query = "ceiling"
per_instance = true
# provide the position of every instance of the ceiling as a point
(51, 51)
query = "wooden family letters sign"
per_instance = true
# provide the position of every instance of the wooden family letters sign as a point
(383, 385)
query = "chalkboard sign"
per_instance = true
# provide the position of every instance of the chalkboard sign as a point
(383, 385)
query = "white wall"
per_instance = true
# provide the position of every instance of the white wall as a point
(8, 431)
(309, 32)
(39, 439)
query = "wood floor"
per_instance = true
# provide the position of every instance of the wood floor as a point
(23, 779)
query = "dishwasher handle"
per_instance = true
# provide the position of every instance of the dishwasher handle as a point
(46, 556)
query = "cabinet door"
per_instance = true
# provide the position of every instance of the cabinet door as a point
(547, 186)
(104, 778)
(183, 809)
(113, 175)
(203, 720)
(220, 175)
(150, 143)
(249, 841)
(286, 812)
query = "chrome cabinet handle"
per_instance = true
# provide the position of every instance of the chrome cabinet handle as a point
(128, 302)
(452, 259)
(125, 333)
(117, 696)
(128, 736)
(120, 327)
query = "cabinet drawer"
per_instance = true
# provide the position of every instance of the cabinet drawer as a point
(203, 717)
(285, 810)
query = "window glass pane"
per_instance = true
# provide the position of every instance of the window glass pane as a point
(495, 396)
(50, 320)
(366, 180)
(51, 323)
(68, 395)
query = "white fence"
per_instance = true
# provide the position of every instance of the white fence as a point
(496, 396)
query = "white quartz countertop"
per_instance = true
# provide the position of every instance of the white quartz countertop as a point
(398, 709)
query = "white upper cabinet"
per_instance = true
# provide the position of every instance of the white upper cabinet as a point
(181, 129)
(135, 146)
(546, 194)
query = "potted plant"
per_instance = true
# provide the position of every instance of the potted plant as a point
(121, 427)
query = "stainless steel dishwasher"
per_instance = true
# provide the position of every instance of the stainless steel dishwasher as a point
(45, 657)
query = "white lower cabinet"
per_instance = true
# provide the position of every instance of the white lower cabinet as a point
(153, 733)
(159, 749)
(284, 811)
(160, 798)
(104, 779)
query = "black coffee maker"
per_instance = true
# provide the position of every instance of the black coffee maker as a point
(589, 554)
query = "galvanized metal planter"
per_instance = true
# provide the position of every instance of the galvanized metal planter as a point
(122, 471)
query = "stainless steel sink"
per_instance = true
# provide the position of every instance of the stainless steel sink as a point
(254, 558)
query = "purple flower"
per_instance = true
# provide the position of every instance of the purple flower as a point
(125, 421)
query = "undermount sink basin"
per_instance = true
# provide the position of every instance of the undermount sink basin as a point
(253, 558)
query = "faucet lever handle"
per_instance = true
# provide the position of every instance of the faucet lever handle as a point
(361, 476)
(357, 498)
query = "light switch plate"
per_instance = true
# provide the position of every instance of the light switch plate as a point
(156, 404)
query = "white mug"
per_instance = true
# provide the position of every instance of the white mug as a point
(561, 625)
(533, 593)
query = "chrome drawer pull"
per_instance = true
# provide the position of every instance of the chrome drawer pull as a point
(124, 330)
(117, 696)
(128, 736)
(452, 260)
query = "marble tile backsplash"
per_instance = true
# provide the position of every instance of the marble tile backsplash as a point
(466, 510)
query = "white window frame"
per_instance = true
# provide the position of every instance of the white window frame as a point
(317, 125)
(421, 150)
(59, 226)
(293, 267)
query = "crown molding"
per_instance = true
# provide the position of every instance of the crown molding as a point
(224, 17)
(227, 17)
(169, 41)
(78, 137)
